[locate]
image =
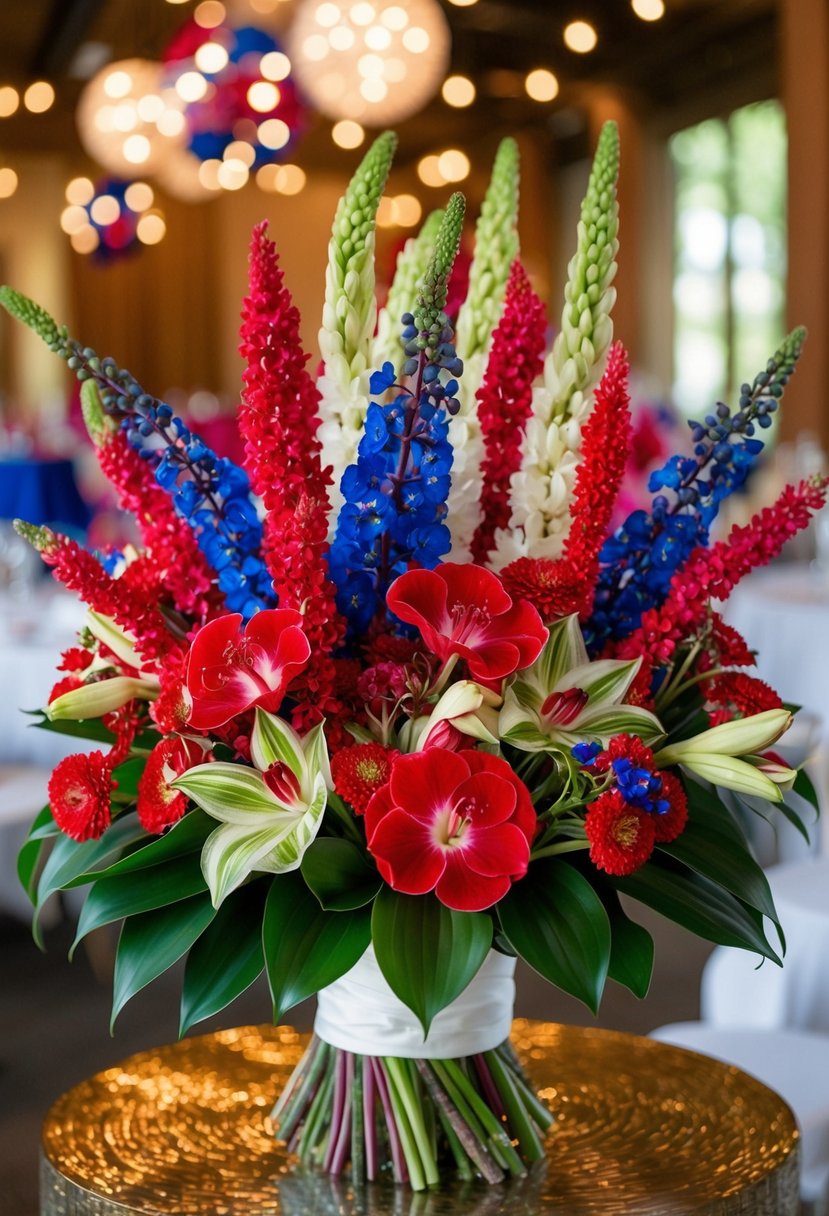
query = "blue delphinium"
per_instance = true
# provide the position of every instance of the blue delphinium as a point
(395, 493)
(639, 560)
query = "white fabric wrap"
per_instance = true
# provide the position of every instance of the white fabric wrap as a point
(360, 1013)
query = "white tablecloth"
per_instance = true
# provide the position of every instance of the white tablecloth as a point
(738, 992)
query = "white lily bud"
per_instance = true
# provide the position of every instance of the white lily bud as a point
(740, 737)
(102, 697)
(732, 774)
(116, 639)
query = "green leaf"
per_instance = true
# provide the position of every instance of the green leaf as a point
(305, 947)
(609, 720)
(713, 845)
(427, 952)
(555, 920)
(186, 836)
(804, 786)
(339, 874)
(564, 651)
(274, 740)
(232, 793)
(43, 828)
(152, 942)
(128, 894)
(226, 959)
(698, 904)
(631, 947)
(90, 728)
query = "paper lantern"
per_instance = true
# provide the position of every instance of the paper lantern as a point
(128, 122)
(375, 61)
(111, 218)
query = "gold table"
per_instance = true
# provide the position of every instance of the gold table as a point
(641, 1128)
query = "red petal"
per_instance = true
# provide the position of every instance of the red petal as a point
(425, 782)
(485, 799)
(524, 816)
(468, 584)
(414, 862)
(493, 660)
(523, 625)
(464, 890)
(497, 851)
(378, 807)
(207, 649)
(419, 598)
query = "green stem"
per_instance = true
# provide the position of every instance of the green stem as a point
(408, 1098)
(319, 1111)
(499, 1141)
(519, 1123)
(564, 846)
(358, 1164)
(345, 818)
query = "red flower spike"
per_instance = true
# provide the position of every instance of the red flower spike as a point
(456, 823)
(79, 795)
(671, 824)
(464, 610)
(159, 806)
(359, 772)
(621, 836)
(75, 659)
(230, 670)
(516, 358)
(745, 694)
(278, 420)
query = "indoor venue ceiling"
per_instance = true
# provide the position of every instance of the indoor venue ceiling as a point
(699, 45)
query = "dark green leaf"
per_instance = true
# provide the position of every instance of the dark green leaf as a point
(28, 858)
(698, 904)
(427, 952)
(186, 836)
(339, 874)
(227, 958)
(69, 858)
(555, 920)
(306, 947)
(152, 942)
(713, 845)
(804, 786)
(112, 899)
(90, 728)
(631, 947)
(790, 814)
(127, 776)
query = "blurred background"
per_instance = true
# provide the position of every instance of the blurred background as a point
(140, 141)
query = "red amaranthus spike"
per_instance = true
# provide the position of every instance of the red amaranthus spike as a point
(178, 564)
(713, 573)
(278, 421)
(504, 401)
(605, 440)
(81, 572)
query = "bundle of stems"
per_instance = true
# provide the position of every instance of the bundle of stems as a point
(377, 1113)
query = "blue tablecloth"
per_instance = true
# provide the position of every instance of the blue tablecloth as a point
(42, 492)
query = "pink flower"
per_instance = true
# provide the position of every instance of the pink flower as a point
(456, 823)
(230, 670)
(464, 610)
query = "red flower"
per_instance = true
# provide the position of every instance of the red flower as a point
(746, 694)
(621, 836)
(456, 823)
(359, 772)
(76, 658)
(158, 805)
(230, 670)
(670, 825)
(79, 793)
(67, 684)
(553, 587)
(464, 610)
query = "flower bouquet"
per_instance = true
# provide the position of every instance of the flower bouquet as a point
(388, 708)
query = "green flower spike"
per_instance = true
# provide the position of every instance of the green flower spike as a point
(496, 246)
(586, 329)
(23, 309)
(350, 310)
(412, 262)
(99, 425)
(429, 317)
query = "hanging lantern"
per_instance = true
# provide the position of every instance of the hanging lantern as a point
(111, 218)
(374, 61)
(128, 122)
(241, 106)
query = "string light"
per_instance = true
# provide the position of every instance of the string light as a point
(9, 100)
(580, 36)
(8, 182)
(648, 10)
(39, 97)
(541, 84)
(80, 191)
(347, 133)
(458, 91)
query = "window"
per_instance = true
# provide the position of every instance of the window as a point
(730, 252)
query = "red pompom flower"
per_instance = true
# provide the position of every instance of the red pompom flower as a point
(359, 772)
(464, 610)
(79, 795)
(671, 823)
(456, 823)
(230, 670)
(621, 836)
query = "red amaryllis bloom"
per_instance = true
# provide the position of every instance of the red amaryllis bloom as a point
(79, 794)
(359, 772)
(456, 823)
(229, 670)
(621, 835)
(672, 823)
(158, 805)
(464, 610)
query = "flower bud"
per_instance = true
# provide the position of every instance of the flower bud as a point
(739, 737)
(102, 697)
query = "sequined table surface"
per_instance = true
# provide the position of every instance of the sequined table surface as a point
(641, 1128)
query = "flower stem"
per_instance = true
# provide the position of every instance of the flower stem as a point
(519, 1123)
(564, 846)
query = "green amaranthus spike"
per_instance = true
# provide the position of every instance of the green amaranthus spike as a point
(37, 318)
(586, 328)
(39, 537)
(496, 245)
(350, 310)
(429, 317)
(412, 262)
(98, 423)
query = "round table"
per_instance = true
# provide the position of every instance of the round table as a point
(738, 992)
(641, 1128)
